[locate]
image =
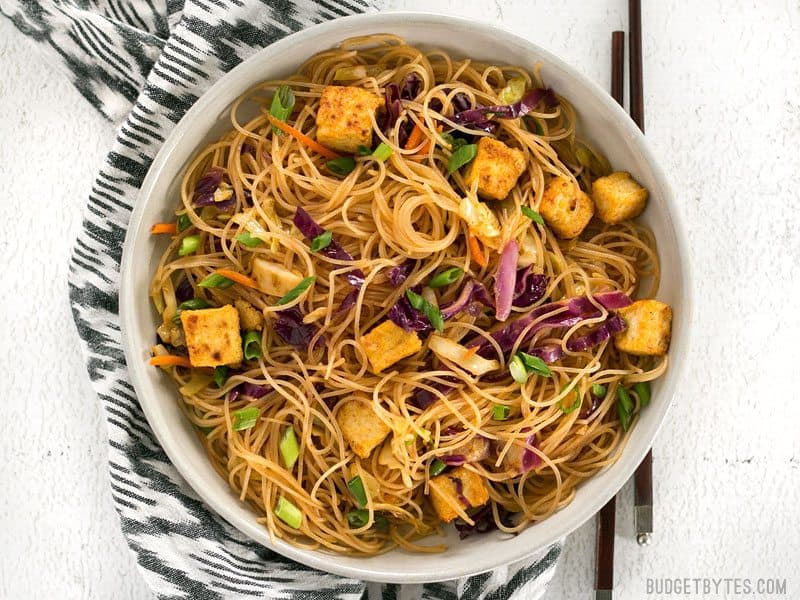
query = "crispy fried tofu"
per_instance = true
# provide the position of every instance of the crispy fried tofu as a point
(272, 278)
(387, 343)
(361, 427)
(212, 336)
(445, 492)
(249, 316)
(496, 168)
(649, 328)
(618, 197)
(343, 118)
(566, 208)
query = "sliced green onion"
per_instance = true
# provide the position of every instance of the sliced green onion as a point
(446, 277)
(532, 215)
(356, 487)
(500, 412)
(189, 244)
(297, 290)
(574, 406)
(245, 418)
(429, 310)
(220, 375)
(359, 517)
(290, 449)
(184, 222)
(251, 345)
(453, 142)
(534, 123)
(249, 240)
(215, 280)
(437, 466)
(514, 90)
(288, 513)
(341, 166)
(624, 407)
(322, 241)
(191, 304)
(517, 369)
(598, 390)
(461, 157)
(642, 390)
(282, 105)
(535, 364)
(363, 150)
(382, 152)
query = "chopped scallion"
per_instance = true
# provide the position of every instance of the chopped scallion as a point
(461, 156)
(322, 241)
(191, 304)
(532, 215)
(341, 166)
(288, 513)
(215, 280)
(282, 105)
(429, 310)
(189, 244)
(437, 467)
(624, 407)
(289, 448)
(446, 277)
(572, 407)
(360, 517)
(249, 240)
(453, 142)
(297, 290)
(220, 375)
(363, 150)
(184, 222)
(382, 152)
(642, 390)
(517, 369)
(535, 364)
(500, 412)
(251, 345)
(598, 390)
(356, 487)
(245, 418)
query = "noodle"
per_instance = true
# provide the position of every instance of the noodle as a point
(384, 213)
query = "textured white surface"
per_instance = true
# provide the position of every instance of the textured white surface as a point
(723, 112)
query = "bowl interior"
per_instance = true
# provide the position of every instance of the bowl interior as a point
(602, 121)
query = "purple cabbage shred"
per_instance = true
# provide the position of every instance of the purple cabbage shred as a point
(406, 316)
(612, 325)
(253, 389)
(397, 275)
(289, 326)
(472, 294)
(529, 288)
(484, 521)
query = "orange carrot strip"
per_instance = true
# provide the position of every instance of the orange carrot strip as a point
(170, 360)
(475, 250)
(170, 228)
(238, 277)
(470, 352)
(303, 138)
(415, 138)
(425, 147)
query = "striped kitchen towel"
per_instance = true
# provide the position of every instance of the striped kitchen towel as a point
(143, 63)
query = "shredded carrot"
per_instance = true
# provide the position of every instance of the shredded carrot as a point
(415, 138)
(170, 228)
(470, 352)
(303, 138)
(238, 277)
(425, 147)
(170, 360)
(475, 250)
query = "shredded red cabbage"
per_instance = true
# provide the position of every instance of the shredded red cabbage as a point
(481, 114)
(506, 280)
(549, 353)
(472, 294)
(612, 325)
(349, 301)
(208, 184)
(311, 229)
(530, 460)
(530, 287)
(184, 291)
(460, 490)
(288, 324)
(411, 87)
(253, 389)
(406, 316)
(248, 148)
(397, 275)
(577, 309)
(484, 521)
(422, 399)
(391, 98)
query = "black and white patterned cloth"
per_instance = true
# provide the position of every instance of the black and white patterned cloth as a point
(142, 64)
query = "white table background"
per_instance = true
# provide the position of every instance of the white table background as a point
(722, 98)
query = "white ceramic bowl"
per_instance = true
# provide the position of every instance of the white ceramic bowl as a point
(601, 120)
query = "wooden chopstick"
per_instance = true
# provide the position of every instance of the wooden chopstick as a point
(643, 478)
(606, 518)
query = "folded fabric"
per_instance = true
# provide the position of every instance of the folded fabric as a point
(143, 63)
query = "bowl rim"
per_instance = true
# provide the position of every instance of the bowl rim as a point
(323, 560)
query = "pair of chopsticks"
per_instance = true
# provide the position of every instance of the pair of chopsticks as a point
(643, 478)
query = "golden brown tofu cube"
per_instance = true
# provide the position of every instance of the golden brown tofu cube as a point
(212, 336)
(496, 168)
(387, 343)
(618, 197)
(566, 208)
(273, 278)
(361, 427)
(446, 495)
(343, 118)
(249, 316)
(649, 328)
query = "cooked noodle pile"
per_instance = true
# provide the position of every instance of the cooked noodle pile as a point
(402, 220)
